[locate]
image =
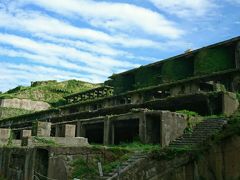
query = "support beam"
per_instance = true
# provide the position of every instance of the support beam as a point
(107, 131)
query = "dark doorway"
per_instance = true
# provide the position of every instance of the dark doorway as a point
(126, 131)
(41, 164)
(94, 132)
(153, 128)
(16, 134)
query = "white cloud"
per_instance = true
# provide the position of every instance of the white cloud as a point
(185, 8)
(68, 53)
(22, 74)
(113, 16)
(43, 25)
(57, 46)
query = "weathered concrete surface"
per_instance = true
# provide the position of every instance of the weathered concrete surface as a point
(230, 103)
(221, 162)
(17, 163)
(46, 141)
(5, 133)
(42, 129)
(24, 104)
(70, 130)
(40, 163)
(172, 126)
(26, 133)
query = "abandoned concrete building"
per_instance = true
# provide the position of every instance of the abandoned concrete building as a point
(140, 103)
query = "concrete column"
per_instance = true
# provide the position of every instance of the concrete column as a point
(78, 129)
(42, 129)
(69, 130)
(142, 127)
(5, 133)
(107, 131)
(165, 127)
(237, 55)
(26, 133)
(112, 133)
(57, 131)
(81, 130)
(230, 103)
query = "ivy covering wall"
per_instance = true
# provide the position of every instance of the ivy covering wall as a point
(177, 69)
(147, 76)
(123, 83)
(212, 60)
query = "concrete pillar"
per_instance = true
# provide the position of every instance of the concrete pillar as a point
(142, 127)
(230, 103)
(107, 131)
(42, 129)
(69, 130)
(112, 133)
(26, 133)
(5, 133)
(237, 55)
(81, 131)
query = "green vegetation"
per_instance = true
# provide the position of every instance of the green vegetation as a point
(212, 60)
(147, 76)
(10, 139)
(110, 158)
(177, 69)
(188, 113)
(44, 141)
(136, 146)
(48, 91)
(233, 128)
(84, 169)
(12, 112)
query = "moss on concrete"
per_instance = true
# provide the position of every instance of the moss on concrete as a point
(177, 69)
(212, 60)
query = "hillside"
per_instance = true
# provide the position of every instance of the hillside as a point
(51, 92)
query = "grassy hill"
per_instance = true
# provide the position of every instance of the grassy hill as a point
(51, 92)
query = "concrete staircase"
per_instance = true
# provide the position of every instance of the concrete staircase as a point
(201, 132)
(138, 156)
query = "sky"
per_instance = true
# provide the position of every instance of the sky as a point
(91, 40)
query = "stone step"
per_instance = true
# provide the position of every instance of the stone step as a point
(201, 132)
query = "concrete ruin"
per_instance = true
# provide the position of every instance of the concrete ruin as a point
(137, 104)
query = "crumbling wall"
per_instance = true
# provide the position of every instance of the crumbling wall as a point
(220, 162)
(24, 104)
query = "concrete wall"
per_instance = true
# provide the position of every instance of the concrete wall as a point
(42, 163)
(17, 163)
(230, 103)
(221, 162)
(172, 126)
(24, 104)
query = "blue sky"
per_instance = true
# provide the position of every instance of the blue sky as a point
(90, 40)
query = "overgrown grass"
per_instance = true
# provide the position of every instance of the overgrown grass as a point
(136, 146)
(83, 169)
(187, 112)
(110, 158)
(12, 112)
(51, 92)
(44, 141)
